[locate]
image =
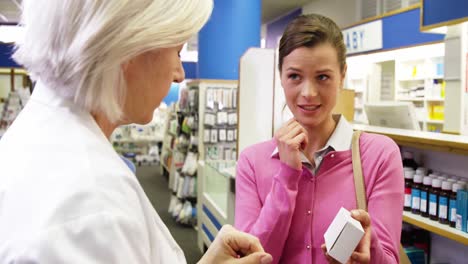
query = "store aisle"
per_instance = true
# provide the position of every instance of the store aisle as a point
(155, 186)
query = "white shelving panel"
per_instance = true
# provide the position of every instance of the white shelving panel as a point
(419, 79)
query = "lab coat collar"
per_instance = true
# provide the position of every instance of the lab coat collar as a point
(47, 96)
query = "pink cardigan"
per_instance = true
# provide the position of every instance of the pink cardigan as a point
(290, 210)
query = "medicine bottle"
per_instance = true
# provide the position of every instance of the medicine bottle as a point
(409, 175)
(426, 187)
(416, 194)
(453, 204)
(422, 171)
(444, 197)
(408, 160)
(434, 199)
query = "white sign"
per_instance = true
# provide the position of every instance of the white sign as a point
(363, 38)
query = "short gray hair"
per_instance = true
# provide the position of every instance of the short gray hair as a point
(77, 47)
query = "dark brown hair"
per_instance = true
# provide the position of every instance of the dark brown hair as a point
(309, 31)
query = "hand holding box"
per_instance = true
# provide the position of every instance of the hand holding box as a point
(343, 235)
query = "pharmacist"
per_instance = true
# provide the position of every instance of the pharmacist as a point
(65, 195)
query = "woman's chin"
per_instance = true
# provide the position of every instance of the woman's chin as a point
(143, 120)
(308, 121)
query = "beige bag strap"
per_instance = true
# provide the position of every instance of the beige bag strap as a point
(361, 187)
(357, 171)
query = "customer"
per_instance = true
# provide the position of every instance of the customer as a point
(65, 195)
(289, 189)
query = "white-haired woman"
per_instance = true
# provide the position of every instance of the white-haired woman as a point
(65, 195)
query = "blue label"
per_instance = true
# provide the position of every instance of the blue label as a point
(443, 201)
(415, 193)
(423, 195)
(433, 198)
(452, 206)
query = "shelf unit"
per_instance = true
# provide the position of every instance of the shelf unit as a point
(431, 141)
(436, 143)
(393, 76)
(420, 81)
(421, 139)
(359, 85)
(436, 227)
(217, 103)
(166, 151)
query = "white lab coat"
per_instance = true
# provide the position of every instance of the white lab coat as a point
(67, 197)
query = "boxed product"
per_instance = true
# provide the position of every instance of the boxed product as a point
(462, 210)
(343, 236)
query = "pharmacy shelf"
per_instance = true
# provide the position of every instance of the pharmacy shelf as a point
(436, 227)
(411, 99)
(421, 139)
(419, 79)
(17, 71)
(435, 99)
(429, 121)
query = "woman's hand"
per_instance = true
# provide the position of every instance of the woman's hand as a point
(291, 140)
(235, 247)
(362, 253)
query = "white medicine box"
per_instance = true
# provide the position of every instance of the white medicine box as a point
(343, 236)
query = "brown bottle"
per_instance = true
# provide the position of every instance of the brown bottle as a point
(416, 194)
(444, 197)
(425, 189)
(409, 175)
(434, 199)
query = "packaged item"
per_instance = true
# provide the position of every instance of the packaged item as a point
(462, 207)
(408, 160)
(425, 189)
(343, 236)
(214, 136)
(409, 175)
(416, 194)
(222, 134)
(453, 204)
(434, 199)
(444, 197)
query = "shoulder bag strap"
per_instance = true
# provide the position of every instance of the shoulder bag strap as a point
(361, 187)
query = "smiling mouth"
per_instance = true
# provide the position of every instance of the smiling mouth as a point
(310, 107)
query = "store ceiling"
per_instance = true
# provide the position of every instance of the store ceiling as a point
(271, 9)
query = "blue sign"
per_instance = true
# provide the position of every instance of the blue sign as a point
(437, 12)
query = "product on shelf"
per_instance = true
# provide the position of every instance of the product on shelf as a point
(421, 171)
(220, 122)
(462, 210)
(409, 175)
(434, 199)
(426, 187)
(444, 202)
(141, 142)
(181, 145)
(408, 160)
(13, 105)
(416, 194)
(453, 204)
